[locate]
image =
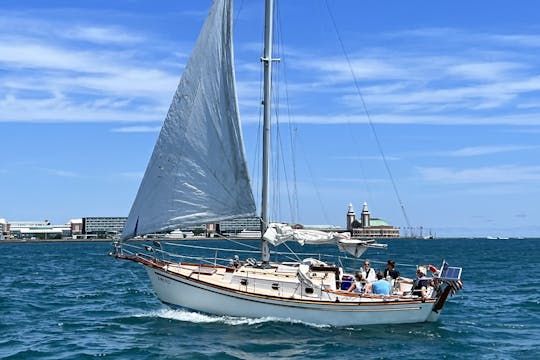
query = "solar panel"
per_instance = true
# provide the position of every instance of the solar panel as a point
(450, 272)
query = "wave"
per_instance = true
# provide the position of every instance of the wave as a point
(196, 317)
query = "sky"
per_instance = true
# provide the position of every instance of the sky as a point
(452, 89)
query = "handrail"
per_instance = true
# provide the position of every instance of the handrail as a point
(288, 255)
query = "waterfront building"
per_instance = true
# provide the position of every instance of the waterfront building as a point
(34, 230)
(235, 226)
(3, 229)
(368, 226)
(76, 227)
(102, 227)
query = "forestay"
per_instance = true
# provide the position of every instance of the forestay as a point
(197, 173)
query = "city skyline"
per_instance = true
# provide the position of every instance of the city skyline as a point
(452, 90)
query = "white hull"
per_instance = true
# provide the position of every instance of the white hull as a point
(189, 293)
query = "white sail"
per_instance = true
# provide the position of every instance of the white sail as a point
(197, 173)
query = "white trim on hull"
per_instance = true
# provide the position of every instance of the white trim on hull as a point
(181, 292)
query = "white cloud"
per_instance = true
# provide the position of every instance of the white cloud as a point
(485, 150)
(496, 174)
(24, 54)
(367, 157)
(524, 130)
(137, 129)
(518, 39)
(50, 77)
(532, 119)
(484, 70)
(61, 173)
(102, 35)
(355, 180)
(58, 109)
(472, 76)
(131, 175)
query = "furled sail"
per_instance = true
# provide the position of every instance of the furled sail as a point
(197, 173)
(279, 233)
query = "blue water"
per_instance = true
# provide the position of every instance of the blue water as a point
(71, 301)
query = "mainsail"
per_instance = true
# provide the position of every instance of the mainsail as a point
(197, 173)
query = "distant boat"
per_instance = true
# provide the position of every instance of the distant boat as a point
(198, 175)
(175, 234)
(248, 234)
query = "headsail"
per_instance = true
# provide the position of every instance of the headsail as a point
(197, 173)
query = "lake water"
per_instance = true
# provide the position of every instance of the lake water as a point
(72, 301)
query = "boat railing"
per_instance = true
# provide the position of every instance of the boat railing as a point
(214, 255)
(132, 249)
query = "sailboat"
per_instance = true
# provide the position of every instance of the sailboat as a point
(197, 174)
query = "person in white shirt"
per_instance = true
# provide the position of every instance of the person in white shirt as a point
(358, 285)
(368, 273)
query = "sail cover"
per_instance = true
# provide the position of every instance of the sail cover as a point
(197, 173)
(279, 233)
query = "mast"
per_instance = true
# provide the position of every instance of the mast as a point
(267, 61)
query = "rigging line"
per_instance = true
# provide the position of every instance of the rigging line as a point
(276, 177)
(278, 139)
(275, 157)
(226, 238)
(257, 162)
(214, 249)
(315, 186)
(256, 167)
(240, 7)
(237, 250)
(292, 252)
(279, 157)
(242, 244)
(205, 259)
(275, 162)
(372, 126)
(293, 199)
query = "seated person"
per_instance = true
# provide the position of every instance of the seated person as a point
(368, 273)
(390, 270)
(235, 262)
(421, 283)
(381, 286)
(358, 285)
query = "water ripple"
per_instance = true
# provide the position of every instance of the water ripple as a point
(74, 302)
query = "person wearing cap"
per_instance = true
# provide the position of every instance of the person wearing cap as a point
(368, 273)
(421, 283)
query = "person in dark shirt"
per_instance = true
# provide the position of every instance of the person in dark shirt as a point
(421, 282)
(390, 270)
